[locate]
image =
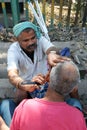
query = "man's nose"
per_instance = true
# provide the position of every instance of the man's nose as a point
(30, 41)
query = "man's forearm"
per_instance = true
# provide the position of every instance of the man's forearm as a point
(3, 125)
(14, 78)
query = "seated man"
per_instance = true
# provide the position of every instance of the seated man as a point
(52, 112)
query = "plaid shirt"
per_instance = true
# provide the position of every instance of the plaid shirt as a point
(39, 93)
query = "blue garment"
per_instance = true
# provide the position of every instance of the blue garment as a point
(6, 110)
(65, 52)
(74, 102)
(39, 93)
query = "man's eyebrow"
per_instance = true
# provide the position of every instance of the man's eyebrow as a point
(25, 40)
(28, 39)
(33, 37)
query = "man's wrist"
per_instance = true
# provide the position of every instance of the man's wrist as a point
(18, 83)
(54, 52)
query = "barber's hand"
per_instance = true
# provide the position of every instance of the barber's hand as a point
(29, 87)
(54, 58)
(39, 79)
(35, 83)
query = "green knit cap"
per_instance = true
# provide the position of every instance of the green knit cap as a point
(18, 28)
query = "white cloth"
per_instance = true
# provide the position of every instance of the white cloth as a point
(17, 59)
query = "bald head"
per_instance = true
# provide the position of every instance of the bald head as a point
(64, 77)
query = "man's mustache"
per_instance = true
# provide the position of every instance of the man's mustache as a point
(33, 45)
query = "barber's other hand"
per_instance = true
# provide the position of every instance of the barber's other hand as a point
(29, 87)
(40, 78)
(54, 58)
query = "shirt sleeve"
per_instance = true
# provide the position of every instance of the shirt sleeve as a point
(12, 59)
(15, 123)
(45, 43)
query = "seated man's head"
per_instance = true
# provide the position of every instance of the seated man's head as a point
(27, 34)
(64, 77)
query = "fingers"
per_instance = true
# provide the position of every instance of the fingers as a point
(30, 87)
(62, 58)
(47, 77)
(53, 59)
(39, 79)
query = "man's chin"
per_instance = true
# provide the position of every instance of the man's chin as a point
(30, 50)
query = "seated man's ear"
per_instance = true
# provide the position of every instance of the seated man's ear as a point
(74, 93)
(47, 77)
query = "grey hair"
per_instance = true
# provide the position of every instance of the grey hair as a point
(64, 77)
